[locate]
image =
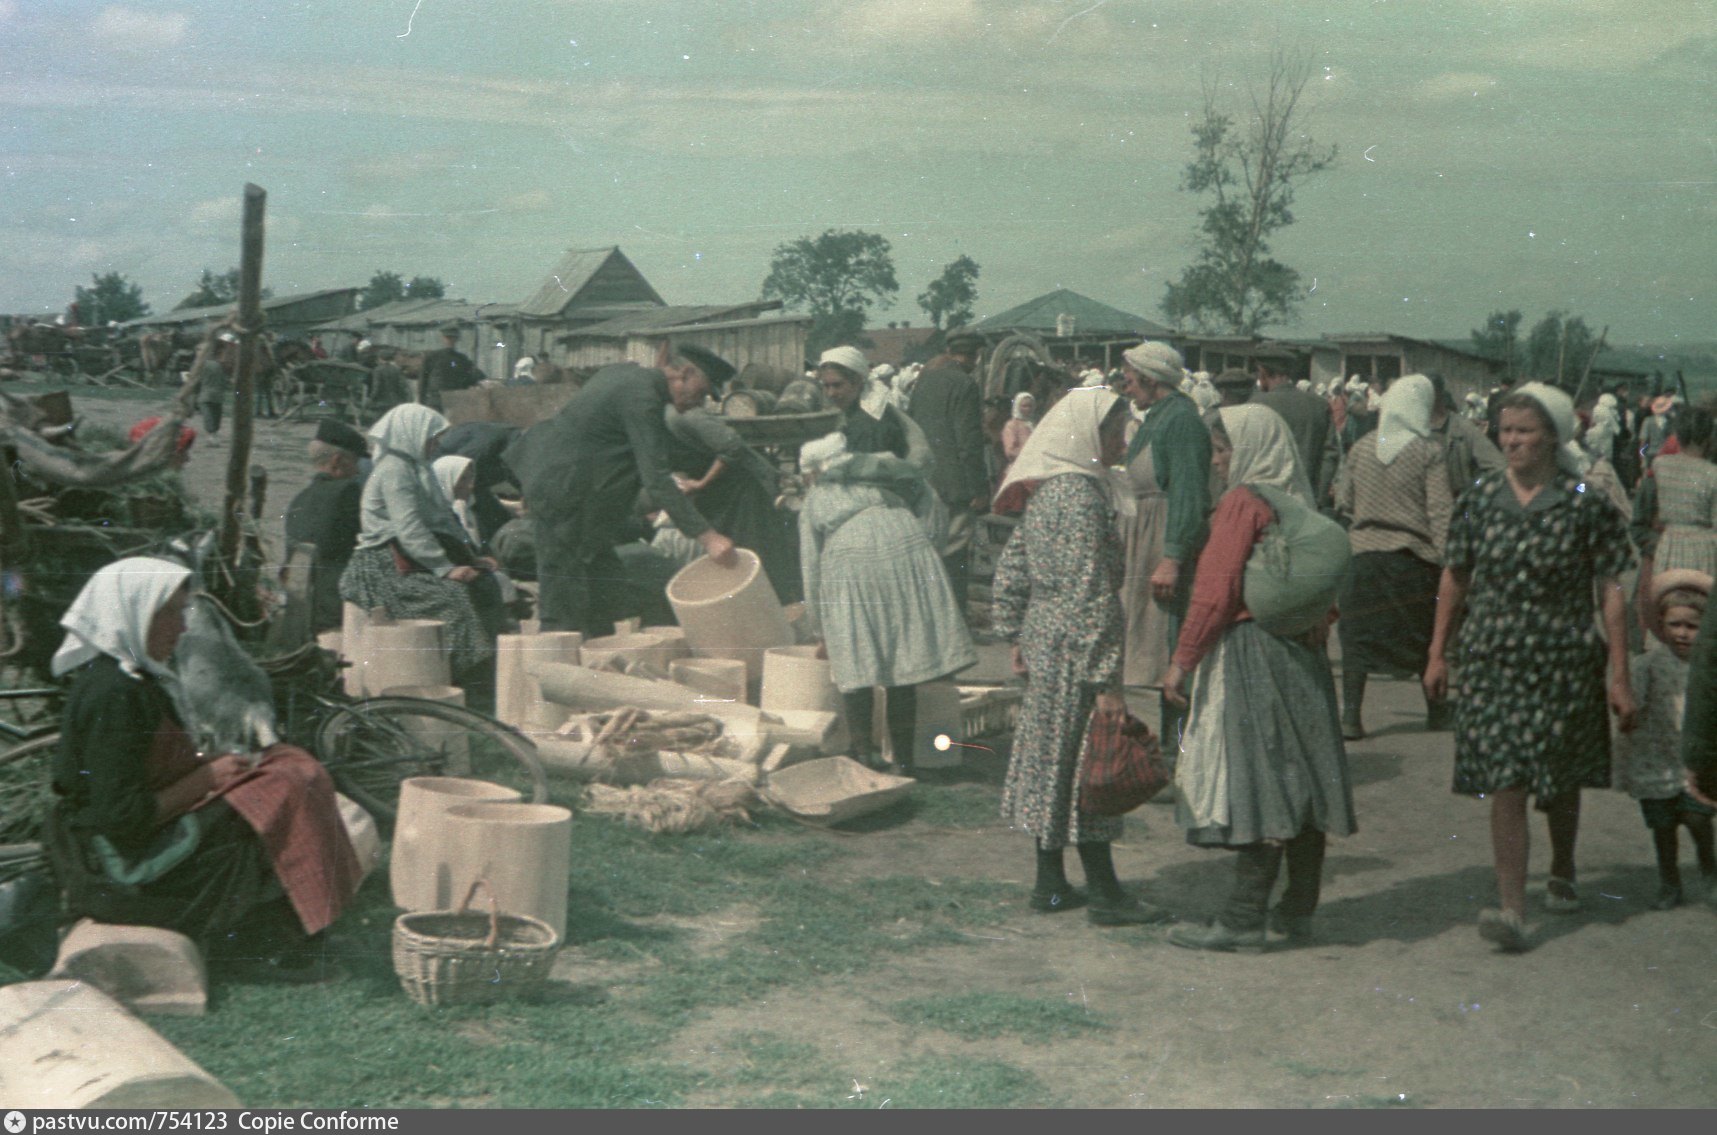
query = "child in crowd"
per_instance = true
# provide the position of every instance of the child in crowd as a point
(1648, 761)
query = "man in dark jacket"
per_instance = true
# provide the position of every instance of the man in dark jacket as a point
(1307, 415)
(446, 369)
(326, 514)
(948, 407)
(581, 470)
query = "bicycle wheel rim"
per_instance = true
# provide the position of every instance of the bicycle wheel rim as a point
(372, 746)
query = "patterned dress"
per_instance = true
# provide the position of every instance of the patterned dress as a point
(1056, 595)
(1529, 666)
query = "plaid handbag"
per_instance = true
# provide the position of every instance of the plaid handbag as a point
(1123, 767)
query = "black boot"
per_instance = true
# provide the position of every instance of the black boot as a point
(1053, 893)
(1110, 905)
(902, 714)
(860, 707)
(1304, 855)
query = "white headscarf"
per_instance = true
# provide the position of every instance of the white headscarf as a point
(525, 367)
(404, 432)
(1304, 384)
(823, 453)
(1264, 450)
(1156, 361)
(1559, 408)
(1024, 396)
(1205, 395)
(448, 470)
(1068, 440)
(111, 616)
(1406, 415)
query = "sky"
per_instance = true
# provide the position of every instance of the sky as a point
(1537, 154)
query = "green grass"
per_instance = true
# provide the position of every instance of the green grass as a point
(606, 1042)
(983, 1016)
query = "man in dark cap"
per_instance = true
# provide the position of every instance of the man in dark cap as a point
(446, 369)
(581, 470)
(1278, 368)
(326, 514)
(948, 407)
(1236, 386)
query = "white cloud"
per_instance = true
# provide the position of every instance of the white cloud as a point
(215, 211)
(529, 201)
(913, 20)
(131, 30)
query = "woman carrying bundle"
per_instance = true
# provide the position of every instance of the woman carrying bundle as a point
(1262, 769)
(876, 593)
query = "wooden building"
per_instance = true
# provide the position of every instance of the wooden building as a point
(285, 315)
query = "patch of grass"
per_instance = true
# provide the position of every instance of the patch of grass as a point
(942, 1082)
(958, 806)
(983, 1016)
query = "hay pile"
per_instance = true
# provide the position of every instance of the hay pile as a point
(674, 805)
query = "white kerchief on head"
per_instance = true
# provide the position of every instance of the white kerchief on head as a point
(406, 430)
(1020, 400)
(1156, 361)
(1205, 395)
(1264, 450)
(111, 615)
(1406, 414)
(1559, 408)
(448, 470)
(1069, 440)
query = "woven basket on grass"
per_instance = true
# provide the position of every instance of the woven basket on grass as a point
(460, 957)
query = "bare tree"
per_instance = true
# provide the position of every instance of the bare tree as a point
(1250, 175)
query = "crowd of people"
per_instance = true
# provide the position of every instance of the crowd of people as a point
(1199, 535)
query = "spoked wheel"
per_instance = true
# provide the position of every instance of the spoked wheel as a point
(372, 746)
(25, 794)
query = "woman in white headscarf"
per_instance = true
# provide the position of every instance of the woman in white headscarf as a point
(1018, 428)
(876, 593)
(1262, 771)
(411, 558)
(1055, 599)
(237, 853)
(1394, 490)
(1525, 553)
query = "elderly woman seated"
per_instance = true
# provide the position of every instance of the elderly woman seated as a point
(245, 855)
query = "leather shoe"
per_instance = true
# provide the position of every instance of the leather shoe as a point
(1127, 912)
(1054, 902)
(1217, 936)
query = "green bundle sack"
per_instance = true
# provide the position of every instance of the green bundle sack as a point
(1297, 568)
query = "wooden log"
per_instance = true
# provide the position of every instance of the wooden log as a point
(244, 393)
(66, 1045)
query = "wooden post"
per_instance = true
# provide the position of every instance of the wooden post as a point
(244, 407)
(1585, 375)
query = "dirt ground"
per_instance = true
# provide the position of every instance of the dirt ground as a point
(1397, 1002)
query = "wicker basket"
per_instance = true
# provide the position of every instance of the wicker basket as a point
(459, 957)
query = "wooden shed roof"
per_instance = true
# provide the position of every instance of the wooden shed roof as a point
(589, 276)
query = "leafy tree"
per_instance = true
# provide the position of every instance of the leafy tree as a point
(213, 289)
(836, 277)
(110, 298)
(1234, 285)
(387, 287)
(951, 295)
(1558, 347)
(1499, 338)
(384, 287)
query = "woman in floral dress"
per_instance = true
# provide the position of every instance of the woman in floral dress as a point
(1530, 719)
(1056, 600)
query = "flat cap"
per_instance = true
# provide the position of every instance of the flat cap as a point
(963, 339)
(717, 368)
(334, 432)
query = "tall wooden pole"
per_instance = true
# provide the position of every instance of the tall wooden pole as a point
(244, 406)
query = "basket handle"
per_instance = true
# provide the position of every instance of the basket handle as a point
(494, 910)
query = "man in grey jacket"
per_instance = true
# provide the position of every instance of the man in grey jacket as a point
(947, 406)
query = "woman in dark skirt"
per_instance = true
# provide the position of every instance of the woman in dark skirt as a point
(1525, 551)
(1394, 488)
(1262, 769)
(144, 831)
